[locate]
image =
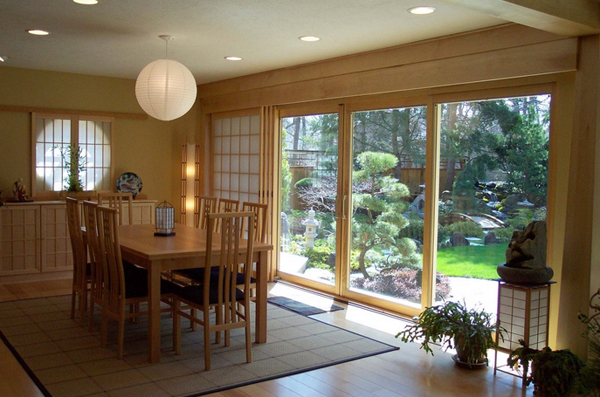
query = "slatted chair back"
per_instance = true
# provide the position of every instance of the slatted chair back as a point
(119, 201)
(80, 275)
(260, 220)
(205, 205)
(98, 271)
(110, 253)
(226, 206)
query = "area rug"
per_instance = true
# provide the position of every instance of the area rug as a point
(301, 308)
(66, 360)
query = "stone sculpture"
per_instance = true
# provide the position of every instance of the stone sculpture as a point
(526, 256)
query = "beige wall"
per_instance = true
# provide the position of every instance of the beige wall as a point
(491, 61)
(146, 146)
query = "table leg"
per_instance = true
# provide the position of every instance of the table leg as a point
(260, 332)
(154, 313)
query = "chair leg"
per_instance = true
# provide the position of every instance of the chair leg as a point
(248, 342)
(82, 306)
(176, 327)
(104, 329)
(206, 345)
(121, 336)
(91, 319)
(73, 298)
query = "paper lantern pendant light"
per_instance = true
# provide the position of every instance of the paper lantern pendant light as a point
(165, 89)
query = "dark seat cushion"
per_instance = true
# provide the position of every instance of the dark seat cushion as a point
(136, 283)
(197, 275)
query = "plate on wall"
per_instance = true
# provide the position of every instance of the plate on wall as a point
(129, 182)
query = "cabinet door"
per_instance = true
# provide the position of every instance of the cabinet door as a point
(56, 246)
(19, 253)
(143, 213)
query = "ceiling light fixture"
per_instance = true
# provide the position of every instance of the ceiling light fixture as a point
(309, 38)
(38, 32)
(421, 10)
(86, 2)
(3, 58)
(233, 58)
(165, 89)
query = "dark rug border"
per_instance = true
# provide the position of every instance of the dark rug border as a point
(28, 370)
(334, 307)
(46, 393)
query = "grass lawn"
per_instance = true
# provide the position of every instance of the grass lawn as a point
(471, 261)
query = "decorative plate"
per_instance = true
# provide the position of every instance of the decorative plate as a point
(129, 182)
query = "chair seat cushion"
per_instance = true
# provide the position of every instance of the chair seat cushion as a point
(136, 283)
(197, 275)
(194, 294)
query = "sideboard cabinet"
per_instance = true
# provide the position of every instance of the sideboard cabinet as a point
(35, 241)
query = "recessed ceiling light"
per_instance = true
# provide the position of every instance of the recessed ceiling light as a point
(3, 58)
(233, 58)
(86, 2)
(309, 38)
(421, 10)
(38, 32)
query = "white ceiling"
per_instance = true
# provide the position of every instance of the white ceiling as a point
(118, 38)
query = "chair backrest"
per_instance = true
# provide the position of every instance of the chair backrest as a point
(225, 206)
(110, 252)
(97, 265)
(205, 205)
(77, 244)
(260, 220)
(227, 242)
(117, 201)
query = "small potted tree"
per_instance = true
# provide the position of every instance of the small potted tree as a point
(554, 373)
(469, 331)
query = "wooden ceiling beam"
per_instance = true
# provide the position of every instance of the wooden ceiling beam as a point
(564, 17)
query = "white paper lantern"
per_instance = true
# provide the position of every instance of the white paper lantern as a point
(165, 89)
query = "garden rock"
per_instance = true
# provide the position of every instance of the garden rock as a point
(457, 239)
(490, 238)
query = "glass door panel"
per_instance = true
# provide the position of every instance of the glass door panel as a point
(387, 225)
(493, 181)
(309, 190)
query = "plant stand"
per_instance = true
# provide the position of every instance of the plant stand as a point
(523, 311)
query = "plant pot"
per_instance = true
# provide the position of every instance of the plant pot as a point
(462, 355)
(81, 195)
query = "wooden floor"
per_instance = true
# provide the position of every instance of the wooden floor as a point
(407, 372)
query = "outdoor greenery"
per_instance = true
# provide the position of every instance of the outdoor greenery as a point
(476, 261)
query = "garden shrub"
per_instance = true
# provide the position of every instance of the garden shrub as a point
(467, 229)
(402, 284)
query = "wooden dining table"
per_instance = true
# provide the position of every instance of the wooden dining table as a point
(186, 249)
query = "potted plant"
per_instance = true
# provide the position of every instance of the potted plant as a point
(469, 331)
(554, 373)
(74, 163)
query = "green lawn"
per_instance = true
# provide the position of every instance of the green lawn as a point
(471, 261)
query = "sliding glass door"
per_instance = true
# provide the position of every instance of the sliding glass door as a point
(309, 190)
(402, 207)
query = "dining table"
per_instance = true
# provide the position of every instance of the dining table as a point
(184, 250)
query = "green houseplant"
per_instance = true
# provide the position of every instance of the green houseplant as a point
(74, 163)
(469, 331)
(554, 373)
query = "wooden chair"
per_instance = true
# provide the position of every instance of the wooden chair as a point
(98, 274)
(117, 200)
(225, 206)
(120, 288)
(220, 289)
(81, 274)
(205, 205)
(259, 231)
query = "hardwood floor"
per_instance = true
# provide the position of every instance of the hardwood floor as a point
(407, 372)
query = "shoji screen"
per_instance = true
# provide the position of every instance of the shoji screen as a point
(236, 157)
